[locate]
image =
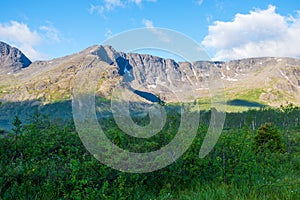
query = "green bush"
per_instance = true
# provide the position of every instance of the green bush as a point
(268, 138)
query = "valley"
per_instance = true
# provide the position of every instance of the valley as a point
(43, 156)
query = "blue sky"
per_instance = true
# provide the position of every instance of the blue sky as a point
(226, 29)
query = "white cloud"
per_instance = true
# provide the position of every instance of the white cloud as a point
(138, 2)
(19, 32)
(108, 33)
(257, 34)
(96, 8)
(109, 5)
(199, 2)
(51, 33)
(30, 52)
(149, 24)
(21, 36)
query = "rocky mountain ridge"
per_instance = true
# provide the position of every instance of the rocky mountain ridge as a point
(12, 59)
(271, 81)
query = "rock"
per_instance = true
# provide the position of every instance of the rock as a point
(12, 59)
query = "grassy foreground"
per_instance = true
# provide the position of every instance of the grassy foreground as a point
(252, 160)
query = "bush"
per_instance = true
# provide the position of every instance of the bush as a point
(268, 138)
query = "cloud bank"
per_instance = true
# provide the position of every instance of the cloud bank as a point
(257, 34)
(21, 36)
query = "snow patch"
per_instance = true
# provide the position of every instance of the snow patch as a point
(202, 88)
(222, 75)
(231, 79)
(287, 78)
(194, 73)
(126, 70)
(151, 86)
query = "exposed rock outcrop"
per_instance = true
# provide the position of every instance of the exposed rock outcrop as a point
(12, 59)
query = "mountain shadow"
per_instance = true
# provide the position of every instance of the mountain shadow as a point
(148, 96)
(124, 65)
(60, 111)
(244, 103)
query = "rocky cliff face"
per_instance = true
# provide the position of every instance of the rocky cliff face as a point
(12, 59)
(267, 80)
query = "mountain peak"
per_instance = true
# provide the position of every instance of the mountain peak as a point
(105, 53)
(12, 59)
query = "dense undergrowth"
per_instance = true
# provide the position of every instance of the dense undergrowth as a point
(256, 157)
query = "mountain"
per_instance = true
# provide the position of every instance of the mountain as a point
(270, 81)
(12, 59)
(249, 82)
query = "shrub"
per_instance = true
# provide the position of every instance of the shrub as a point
(268, 138)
